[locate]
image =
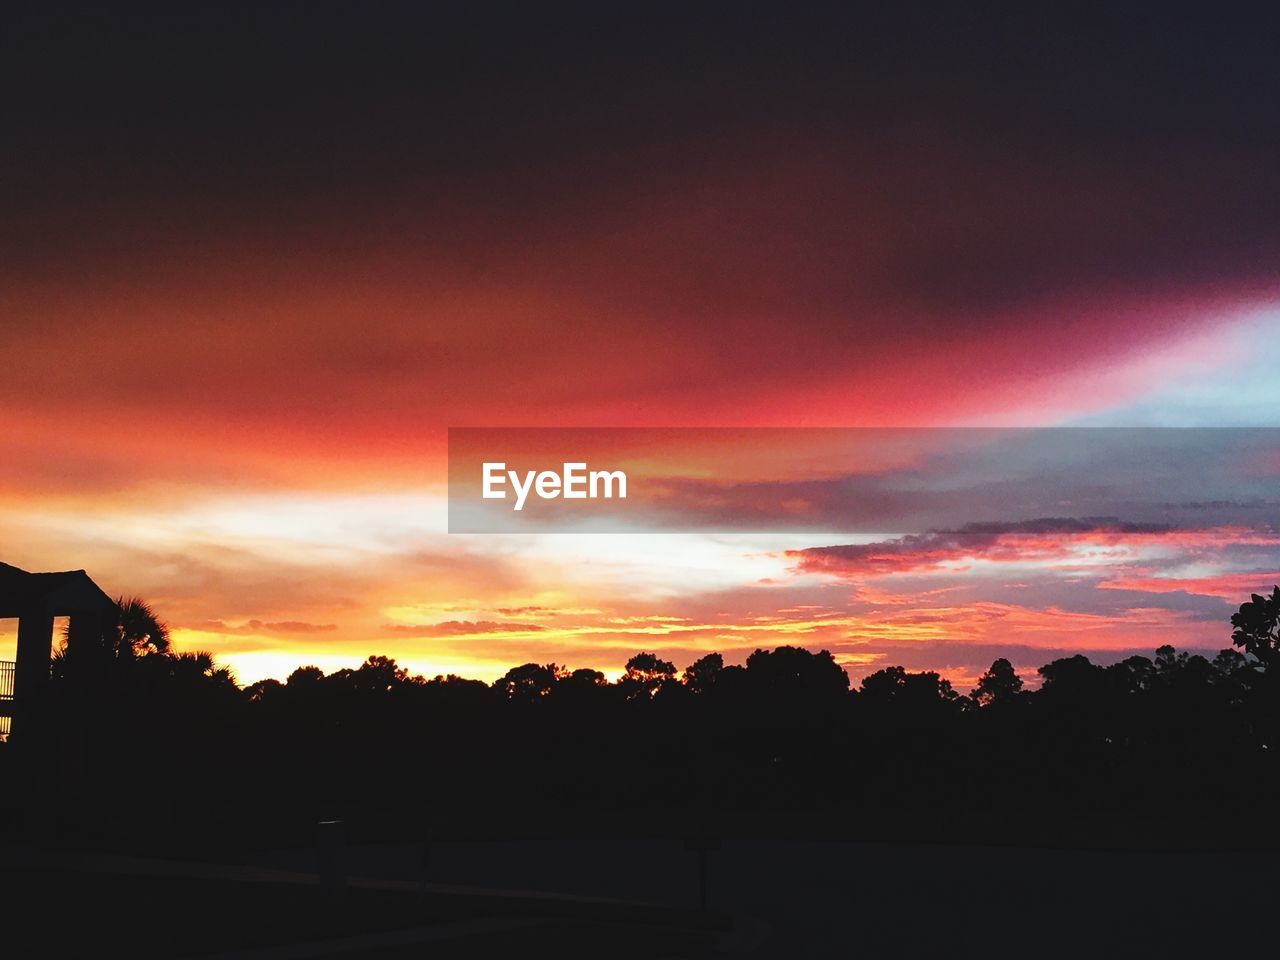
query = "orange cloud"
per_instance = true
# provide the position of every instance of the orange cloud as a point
(1229, 586)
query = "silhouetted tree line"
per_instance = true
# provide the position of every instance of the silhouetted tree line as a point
(1174, 732)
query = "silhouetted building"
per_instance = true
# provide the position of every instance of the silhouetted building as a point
(35, 599)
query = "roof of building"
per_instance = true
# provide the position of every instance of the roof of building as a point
(59, 594)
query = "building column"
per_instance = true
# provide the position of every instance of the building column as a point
(31, 673)
(84, 637)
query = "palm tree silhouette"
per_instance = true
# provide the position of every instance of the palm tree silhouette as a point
(139, 631)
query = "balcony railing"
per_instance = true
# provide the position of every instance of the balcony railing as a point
(6, 698)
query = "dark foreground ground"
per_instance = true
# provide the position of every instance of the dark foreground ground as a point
(609, 897)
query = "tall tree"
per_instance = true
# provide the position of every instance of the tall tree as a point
(702, 674)
(645, 675)
(1000, 684)
(1257, 627)
(528, 682)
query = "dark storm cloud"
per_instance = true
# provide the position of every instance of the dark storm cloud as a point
(1035, 148)
(1025, 540)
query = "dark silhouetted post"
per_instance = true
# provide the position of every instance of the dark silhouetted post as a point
(331, 841)
(424, 858)
(702, 845)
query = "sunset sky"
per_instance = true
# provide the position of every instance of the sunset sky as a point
(255, 264)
